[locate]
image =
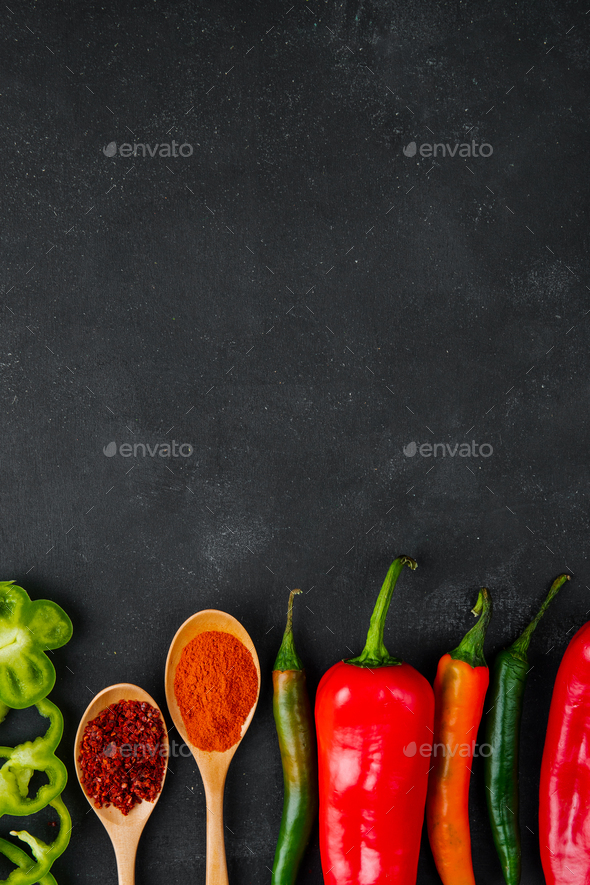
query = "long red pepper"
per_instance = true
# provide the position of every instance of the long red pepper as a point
(564, 794)
(460, 686)
(374, 717)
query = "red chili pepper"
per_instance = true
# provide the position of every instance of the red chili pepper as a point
(564, 795)
(374, 717)
(460, 687)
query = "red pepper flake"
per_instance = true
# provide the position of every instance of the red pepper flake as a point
(123, 755)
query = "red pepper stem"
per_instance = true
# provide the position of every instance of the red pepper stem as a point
(287, 658)
(374, 653)
(470, 649)
(520, 646)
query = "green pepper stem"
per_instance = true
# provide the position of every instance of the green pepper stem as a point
(374, 653)
(287, 658)
(470, 649)
(520, 646)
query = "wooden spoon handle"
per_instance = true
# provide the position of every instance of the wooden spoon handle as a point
(126, 870)
(216, 864)
(125, 847)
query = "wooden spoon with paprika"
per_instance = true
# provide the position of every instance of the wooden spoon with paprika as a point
(213, 763)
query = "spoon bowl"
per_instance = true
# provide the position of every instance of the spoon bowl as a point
(212, 765)
(124, 830)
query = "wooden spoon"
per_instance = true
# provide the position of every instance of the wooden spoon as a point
(213, 766)
(124, 830)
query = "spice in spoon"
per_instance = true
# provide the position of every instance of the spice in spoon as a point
(216, 686)
(123, 755)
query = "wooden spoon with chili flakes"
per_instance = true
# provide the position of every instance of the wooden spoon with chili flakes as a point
(124, 830)
(212, 765)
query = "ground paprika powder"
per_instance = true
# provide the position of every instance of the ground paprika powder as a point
(216, 685)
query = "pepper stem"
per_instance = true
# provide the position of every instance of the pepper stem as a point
(287, 658)
(520, 646)
(470, 649)
(374, 653)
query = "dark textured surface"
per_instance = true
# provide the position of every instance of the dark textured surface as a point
(298, 300)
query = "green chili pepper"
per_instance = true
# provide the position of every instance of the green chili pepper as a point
(294, 722)
(27, 630)
(503, 735)
(22, 761)
(27, 872)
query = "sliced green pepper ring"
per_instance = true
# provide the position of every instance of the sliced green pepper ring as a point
(27, 630)
(25, 759)
(27, 873)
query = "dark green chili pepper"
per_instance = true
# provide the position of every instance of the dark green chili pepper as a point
(294, 722)
(508, 681)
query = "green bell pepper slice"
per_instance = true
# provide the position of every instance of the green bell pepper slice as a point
(22, 762)
(27, 630)
(32, 870)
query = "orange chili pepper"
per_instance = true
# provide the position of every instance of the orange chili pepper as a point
(460, 686)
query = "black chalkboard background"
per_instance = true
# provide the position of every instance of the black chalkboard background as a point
(298, 301)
